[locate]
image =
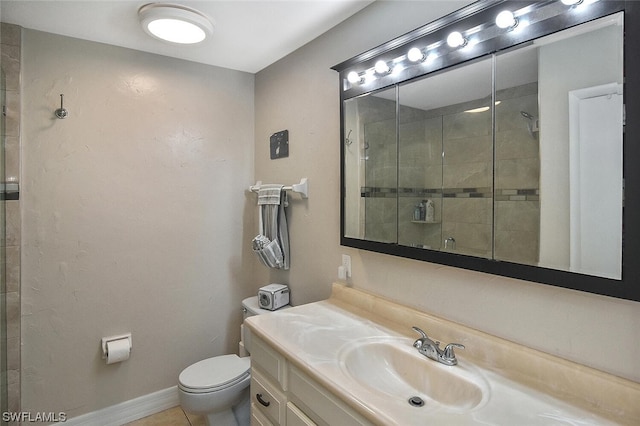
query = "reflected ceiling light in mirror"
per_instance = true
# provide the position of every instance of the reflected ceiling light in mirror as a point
(506, 19)
(416, 55)
(382, 67)
(455, 39)
(175, 23)
(481, 109)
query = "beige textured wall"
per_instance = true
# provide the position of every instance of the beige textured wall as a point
(135, 210)
(300, 93)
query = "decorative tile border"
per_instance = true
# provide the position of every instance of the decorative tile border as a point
(467, 193)
(526, 194)
(532, 194)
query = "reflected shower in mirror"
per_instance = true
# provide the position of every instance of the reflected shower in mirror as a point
(445, 164)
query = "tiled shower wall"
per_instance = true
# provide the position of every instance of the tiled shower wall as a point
(461, 184)
(517, 177)
(10, 47)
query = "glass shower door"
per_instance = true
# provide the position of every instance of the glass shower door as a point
(3, 244)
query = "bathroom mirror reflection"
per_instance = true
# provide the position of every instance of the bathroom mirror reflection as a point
(515, 157)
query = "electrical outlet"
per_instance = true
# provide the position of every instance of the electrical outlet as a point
(346, 263)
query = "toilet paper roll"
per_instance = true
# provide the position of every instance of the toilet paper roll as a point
(118, 350)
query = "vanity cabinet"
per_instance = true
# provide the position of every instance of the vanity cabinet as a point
(282, 394)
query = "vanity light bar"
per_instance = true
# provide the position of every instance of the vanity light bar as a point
(506, 21)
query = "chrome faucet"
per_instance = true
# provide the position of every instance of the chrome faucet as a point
(431, 349)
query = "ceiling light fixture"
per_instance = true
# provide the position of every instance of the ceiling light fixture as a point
(175, 23)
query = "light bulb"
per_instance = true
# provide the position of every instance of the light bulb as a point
(381, 67)
(455, 39)
(353, 77)
(505, 19)
(415, 55)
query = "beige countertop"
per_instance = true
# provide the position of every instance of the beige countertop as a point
(520, 385)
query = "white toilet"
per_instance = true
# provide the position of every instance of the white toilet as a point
(218, 387)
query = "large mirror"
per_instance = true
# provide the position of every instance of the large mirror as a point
(513, 158)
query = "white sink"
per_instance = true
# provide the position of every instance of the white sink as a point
(393, 367)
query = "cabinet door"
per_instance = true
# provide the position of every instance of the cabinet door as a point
(319, 404)
(295, 417)
(269, 362)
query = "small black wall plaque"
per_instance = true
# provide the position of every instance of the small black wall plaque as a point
(280, 144)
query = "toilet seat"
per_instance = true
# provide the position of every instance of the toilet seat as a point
(212, 374)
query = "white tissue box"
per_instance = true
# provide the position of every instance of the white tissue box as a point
(273, 296)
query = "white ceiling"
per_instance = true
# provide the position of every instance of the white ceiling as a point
(249, 35)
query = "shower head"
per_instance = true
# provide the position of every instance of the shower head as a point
(532, 123)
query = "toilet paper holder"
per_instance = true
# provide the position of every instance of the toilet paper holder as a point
(106, 340)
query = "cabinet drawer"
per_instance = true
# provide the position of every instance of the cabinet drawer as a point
(269, 361)
(295, 417)
(267, 399)
(319, 404)
(257, 418)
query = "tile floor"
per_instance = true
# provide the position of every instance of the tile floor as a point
(171, 417)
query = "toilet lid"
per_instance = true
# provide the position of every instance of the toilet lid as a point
(216, 372)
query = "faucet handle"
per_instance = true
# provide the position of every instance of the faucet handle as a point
(422, 333)
(419, 342)
(448, 352)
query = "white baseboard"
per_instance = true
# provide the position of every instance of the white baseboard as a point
(131, 410)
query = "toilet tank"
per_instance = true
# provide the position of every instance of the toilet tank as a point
(251, 307)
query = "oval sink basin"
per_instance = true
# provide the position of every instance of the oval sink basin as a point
(394, 367)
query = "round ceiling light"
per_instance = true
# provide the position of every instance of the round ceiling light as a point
(175, 23)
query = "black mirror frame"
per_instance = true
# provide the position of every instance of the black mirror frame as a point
(476, 14)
